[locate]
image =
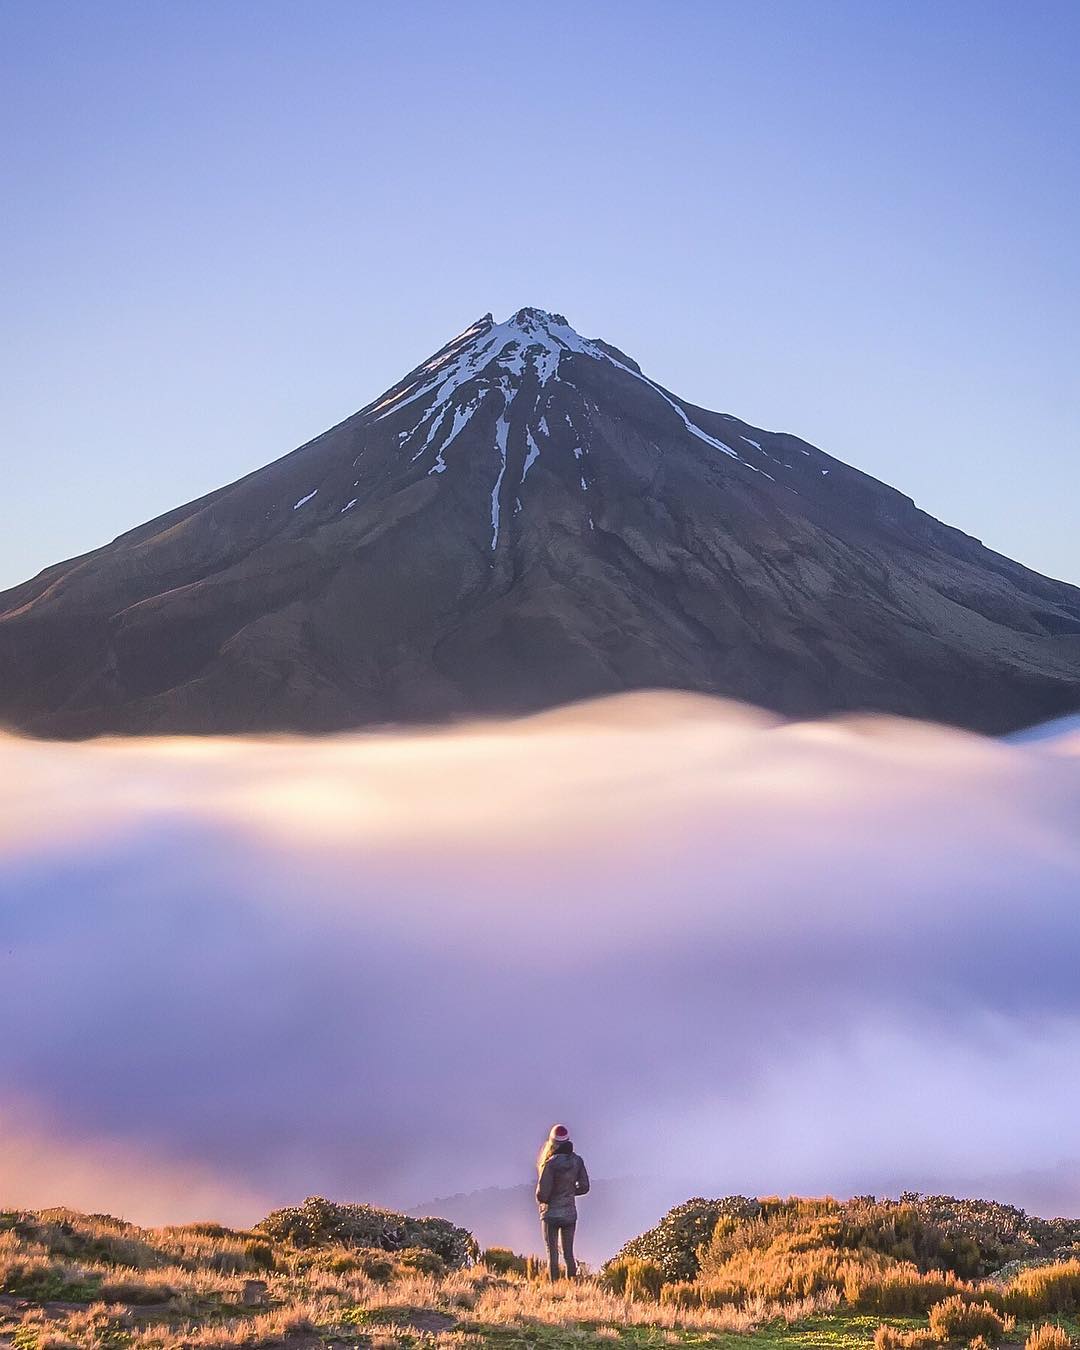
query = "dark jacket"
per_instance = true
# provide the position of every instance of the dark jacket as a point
(563, 1178)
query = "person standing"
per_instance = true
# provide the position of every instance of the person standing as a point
(561, 1178)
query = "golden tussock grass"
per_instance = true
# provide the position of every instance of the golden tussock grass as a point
(568, 1303)
(1048, 1337)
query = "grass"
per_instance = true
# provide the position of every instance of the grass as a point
(77, 1282)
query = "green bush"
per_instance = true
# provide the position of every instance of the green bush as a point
(377, 1266)
(27, 1336)
(502, 1261)
(423, 1261)
(673, 1244)
(260, 1255)
(318, 1222)
(934, 1233)
(955, 1319)
(372, 1262)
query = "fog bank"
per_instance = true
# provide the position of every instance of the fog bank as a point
(754, 955)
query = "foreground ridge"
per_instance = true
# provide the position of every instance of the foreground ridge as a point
(324, 1274)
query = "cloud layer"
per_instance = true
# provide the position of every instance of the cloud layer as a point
(760, 956)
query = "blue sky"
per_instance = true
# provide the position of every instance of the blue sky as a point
(227, 226)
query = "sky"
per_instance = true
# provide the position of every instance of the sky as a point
(734, 955)
(226, 227)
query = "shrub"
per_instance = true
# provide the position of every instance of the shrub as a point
(954, 1319)
(423, 1261)
(318, 1222)
(1001, 1233)
(28, 1333)
(376, 1266)
(934, 1234)
(902, 1290)
(1044, 1289)
(1048, 1337)
(681, 1294)
(673, 1244)
(633, 1277)
(259, 1254)
(342, 1261)
(502, 1261)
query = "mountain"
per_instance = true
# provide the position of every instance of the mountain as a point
(525, 519)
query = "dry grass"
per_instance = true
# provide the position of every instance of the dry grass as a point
(1048, 1337)
(957, 1319)
(32, 1267)
(889, 1338)
(902, 1289)
(269, 1328)
(514, 1302)
(180, 1288)
(1044, 1289)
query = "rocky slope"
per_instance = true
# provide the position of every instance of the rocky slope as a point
(523, 520)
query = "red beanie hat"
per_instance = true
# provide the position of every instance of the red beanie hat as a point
(559, 1134)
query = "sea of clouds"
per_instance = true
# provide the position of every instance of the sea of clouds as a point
(730, 952)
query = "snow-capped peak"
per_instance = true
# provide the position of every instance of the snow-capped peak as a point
(501, 361)
(530, 337)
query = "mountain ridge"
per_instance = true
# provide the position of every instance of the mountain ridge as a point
(525, 519)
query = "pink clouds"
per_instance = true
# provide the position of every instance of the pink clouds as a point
(375, 965)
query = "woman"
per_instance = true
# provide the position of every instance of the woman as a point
(562, 1178)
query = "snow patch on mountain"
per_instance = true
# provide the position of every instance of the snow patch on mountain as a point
(531, 342)
(531, 457)
(532, 339)
(462, 416)
(502, 430)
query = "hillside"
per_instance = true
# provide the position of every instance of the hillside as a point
(799, 1273)
(527, 519)
(737, 1242)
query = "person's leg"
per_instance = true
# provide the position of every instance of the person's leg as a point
(568, 1249)
(551, 1237)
